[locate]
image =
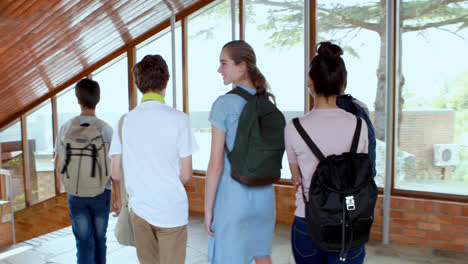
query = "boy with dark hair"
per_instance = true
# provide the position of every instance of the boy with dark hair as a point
(81, 163)
(156, 151)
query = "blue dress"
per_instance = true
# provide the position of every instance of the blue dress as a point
(243, 217)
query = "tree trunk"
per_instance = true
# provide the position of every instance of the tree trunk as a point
(380, 98)
(380, 116)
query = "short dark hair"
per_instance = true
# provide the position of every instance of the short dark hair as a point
(328, 70)
(88, 93)
(151, 73)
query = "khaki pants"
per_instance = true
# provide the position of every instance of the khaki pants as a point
(158, 245)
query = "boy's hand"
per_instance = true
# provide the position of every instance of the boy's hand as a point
(116, 207)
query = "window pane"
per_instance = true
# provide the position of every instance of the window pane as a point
(364, 56)
(12, 159)
(113, 81)
(208, 31)
(40, 140)
(67, 108)
(432, 126)
(67, 105)
(161, 45)
(276, 33)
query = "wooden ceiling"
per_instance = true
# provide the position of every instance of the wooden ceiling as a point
(46, 44)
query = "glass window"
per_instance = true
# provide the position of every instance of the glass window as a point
(12, 159)
(208, 31)
(162, 44)
(67, 105)
(276, 32)
(67, 108)
(40, 140)
(363, 41)
(113, 81)
(432, 126)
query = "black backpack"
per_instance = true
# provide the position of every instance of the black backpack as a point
(342, 195)
(259, 145)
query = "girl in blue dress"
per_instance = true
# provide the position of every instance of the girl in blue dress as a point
(239, 219)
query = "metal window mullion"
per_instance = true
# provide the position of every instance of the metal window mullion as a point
(390, 34)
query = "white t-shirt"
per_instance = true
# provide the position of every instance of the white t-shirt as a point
(155, 137)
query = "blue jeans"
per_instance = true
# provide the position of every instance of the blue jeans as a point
(306, 252)
(89, 217)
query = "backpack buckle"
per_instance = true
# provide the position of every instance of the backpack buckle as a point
(350, 205)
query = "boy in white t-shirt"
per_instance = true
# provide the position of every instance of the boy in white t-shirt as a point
(156, 152)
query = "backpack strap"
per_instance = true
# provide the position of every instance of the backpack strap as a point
(246, 96)
(121, 126)
(123, 191)
(357, 134)
(242, 93)
(308, 140)
(75, 121)
(99, 124)
(312, 147)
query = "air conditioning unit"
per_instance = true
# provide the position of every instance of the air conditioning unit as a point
(446, 155)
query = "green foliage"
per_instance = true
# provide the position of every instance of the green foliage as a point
(430, 11)
(205, 34)
(412, 101)
(283, 23)
(459, 174)
(19, 202)
(217, 12)
(16, 162)
(454, 94)
(285, 19)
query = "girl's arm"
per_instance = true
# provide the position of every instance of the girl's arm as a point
(295, 174)
(213, 174)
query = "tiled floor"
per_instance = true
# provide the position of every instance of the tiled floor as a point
(59, 247)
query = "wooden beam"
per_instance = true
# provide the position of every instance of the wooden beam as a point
(312, 39)
(117, 21)
(26, 158)
(54, 135)
(3, 188)
(241, 20)
(132, 92)
(185, 92)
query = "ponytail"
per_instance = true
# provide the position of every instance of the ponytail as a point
(260, 82)
(258, 79)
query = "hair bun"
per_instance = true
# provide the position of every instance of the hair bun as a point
(328, 50)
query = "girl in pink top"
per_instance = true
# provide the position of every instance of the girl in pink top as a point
(332, 130)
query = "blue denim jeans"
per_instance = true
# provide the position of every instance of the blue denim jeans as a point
(305, 251)
(89, 217)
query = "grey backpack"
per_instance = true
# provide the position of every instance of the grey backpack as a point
(84, 166)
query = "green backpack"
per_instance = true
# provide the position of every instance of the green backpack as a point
(259, 146)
